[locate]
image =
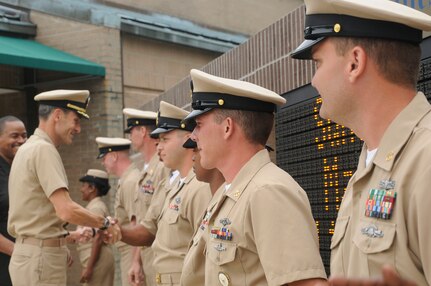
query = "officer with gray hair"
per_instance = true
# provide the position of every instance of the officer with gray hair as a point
(40, 204)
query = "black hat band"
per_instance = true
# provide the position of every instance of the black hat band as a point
(203, 100)
(131, 122)
(336, 25)
(104, 150)
(171, 123)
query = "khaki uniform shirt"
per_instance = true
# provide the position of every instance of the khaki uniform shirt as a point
(262, 232)
(149, 182)
(124, 210)
(180, 217)
(96, 206)
(362, 243)
(127, 188)
(193, 272)
(37, 172)
(103, 271)
(151, 178)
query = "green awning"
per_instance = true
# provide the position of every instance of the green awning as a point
(31, 54)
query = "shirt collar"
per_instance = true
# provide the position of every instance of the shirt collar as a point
(247, 172)
(400, 130)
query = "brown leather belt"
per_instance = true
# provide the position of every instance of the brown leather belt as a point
(48, 242)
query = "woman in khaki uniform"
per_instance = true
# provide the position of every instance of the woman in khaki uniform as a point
(96, 257)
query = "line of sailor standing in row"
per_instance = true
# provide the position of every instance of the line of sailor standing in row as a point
(243, 221)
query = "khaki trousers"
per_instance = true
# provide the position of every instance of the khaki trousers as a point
(38, 265)
(126, 257)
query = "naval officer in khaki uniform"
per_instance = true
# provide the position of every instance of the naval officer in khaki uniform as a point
(40, 204)
(114, 153)
(367, 54)
(261, 232)
(185, 203)
(193, 272)
(96, 257)
(140, 124)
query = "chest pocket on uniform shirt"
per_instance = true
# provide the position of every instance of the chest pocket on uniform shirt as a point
(171, 216)
(374, 239)
(373, 236)
(340, 231)
(220, 252)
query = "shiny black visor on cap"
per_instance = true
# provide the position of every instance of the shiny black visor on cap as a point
(168, 124)
(195, 113)
(190, 144)
(78, 107)
(105, 150)
(132, 122)
(320, 26)
(156, 132)
(303, 51)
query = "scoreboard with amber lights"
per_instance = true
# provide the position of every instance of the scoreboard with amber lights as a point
(321, 155)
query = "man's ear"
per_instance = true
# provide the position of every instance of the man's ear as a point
(357, 62)
(57, 114)
(144, 131)
(228, 127)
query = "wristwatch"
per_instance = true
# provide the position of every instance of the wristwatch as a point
(106, 224)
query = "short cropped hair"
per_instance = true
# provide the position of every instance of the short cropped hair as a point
(397, 61)
(46, 110)
(256, 125)
(7, 118)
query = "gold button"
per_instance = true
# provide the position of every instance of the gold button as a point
(220, 102)
(136, 122)
(389, 156)
(236, 194)
(183, 125)
(337, 28)
(224, 279)
(110, 150)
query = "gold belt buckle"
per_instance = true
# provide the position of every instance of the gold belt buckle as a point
(158, 278)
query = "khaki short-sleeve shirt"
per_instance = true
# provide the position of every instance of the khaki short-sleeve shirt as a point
(124, 205)
(153, 213)
(151, 177)
(96, 206)
(373, 228)
(262, 231)
(180, 217)
(193, 272)
(37, 172)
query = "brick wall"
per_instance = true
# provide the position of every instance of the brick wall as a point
(151, 67)
(263, 60)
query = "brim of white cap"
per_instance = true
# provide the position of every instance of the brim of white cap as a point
(303, 51)
(195, 113)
